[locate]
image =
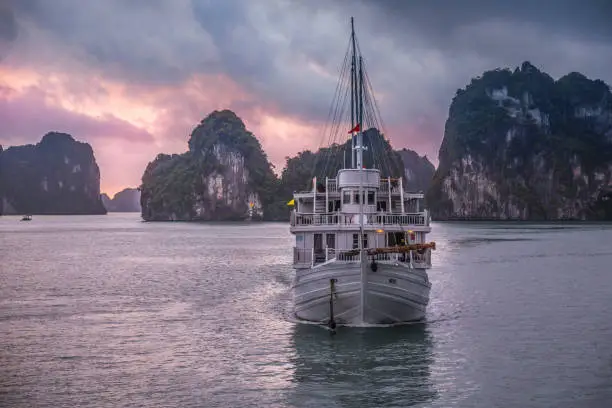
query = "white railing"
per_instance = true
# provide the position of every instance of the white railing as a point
(418, 260)
(377, 219)
(385, 186)
(316, 219)
(397, 219)
(310, 257)
(303, 257)
(332, 187)
(394, 186)
(422, 259)
(343, 255)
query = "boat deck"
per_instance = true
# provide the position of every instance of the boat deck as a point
(308, 258)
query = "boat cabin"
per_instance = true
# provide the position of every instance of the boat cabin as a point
(326, 219)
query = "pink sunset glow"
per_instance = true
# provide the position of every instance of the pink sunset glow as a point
(128, 126)
(134, 79)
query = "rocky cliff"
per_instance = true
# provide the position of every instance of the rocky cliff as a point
(418, 170)
(225, 175)
(56, 176)
(126, 200)
(300, 169)
(520, 145)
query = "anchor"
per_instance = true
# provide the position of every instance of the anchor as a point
(331, 324)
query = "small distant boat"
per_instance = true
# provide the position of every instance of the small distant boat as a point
(26, 218)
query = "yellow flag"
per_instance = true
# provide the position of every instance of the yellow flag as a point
(292, 202)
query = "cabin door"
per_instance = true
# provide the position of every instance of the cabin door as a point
(318, 242)
(319, 252)
(331, 241)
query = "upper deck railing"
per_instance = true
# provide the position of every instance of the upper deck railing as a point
(332, 186)
(386, 185)
(309, 257)
(300, 219)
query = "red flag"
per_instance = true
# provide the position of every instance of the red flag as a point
(355, 129)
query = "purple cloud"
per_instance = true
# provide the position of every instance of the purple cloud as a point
(26, 117)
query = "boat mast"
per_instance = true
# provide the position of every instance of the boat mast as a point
(354, 113)
(356, 103)
(357, 107)
(359, 144)
(357, 113)
(361, 192)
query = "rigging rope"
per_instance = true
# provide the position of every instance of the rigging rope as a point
(327, 162)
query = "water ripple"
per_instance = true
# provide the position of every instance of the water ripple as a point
(109, 311)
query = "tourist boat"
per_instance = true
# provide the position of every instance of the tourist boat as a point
(360, 255)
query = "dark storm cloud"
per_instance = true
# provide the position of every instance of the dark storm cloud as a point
(287, 52)
(165, 42)
(266, 48)
(153, 42)
(438, 20)
(8, 28)
(558, 35)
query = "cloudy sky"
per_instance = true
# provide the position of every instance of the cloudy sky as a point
(133, 77)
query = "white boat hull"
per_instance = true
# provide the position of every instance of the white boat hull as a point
(394, 293)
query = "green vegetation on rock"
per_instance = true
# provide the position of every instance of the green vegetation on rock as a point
(519, 145)
(56, 176)
(300, 169)
(224, 171)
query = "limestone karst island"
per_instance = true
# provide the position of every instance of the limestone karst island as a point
(305, 203)
(518, 145)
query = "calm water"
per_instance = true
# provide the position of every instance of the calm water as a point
(109, 311)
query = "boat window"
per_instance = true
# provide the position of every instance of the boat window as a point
(370, 198)
(396, 238)
(346, 197)
(356, 197)
(356, 241)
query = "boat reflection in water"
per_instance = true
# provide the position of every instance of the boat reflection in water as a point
(361, 367)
